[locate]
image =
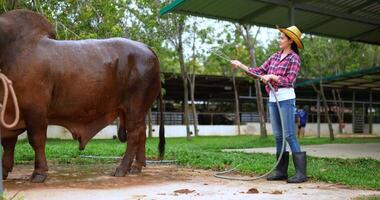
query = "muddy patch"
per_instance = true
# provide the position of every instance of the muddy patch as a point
(92, 177)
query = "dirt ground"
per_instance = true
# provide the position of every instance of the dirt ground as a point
(161, 182)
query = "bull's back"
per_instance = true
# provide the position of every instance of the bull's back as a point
(93, 77)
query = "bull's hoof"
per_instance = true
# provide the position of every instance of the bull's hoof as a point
(136, 170)
(5, 176)
(120, 172)
(38, 177)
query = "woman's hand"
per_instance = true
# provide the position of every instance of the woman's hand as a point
(235, 64)
(265, 78)
(269, 77)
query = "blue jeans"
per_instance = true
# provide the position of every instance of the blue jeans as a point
(288, 109)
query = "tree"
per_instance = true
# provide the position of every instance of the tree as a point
(321, 92)
(244, 31)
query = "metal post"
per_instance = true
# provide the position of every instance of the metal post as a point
(318, 116)
(363, 117)
(353, 111)
(370, 113)
(291, 13)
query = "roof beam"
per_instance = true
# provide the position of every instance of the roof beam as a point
(256, 13)
(331, 13)
(355, 37)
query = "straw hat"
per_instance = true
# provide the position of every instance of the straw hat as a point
(294, 33)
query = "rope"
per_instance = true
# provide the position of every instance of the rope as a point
(8, 87)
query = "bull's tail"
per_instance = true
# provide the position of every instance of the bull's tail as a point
(161, 144)
(161, 133)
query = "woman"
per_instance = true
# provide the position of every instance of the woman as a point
(281, 70)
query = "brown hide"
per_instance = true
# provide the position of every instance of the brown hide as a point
(80, 85)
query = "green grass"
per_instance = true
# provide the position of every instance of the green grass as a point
(205, 153)
(371, 197)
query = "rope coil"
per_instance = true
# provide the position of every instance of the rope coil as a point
(8, 87)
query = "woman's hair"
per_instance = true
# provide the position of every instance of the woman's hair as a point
(294, 46)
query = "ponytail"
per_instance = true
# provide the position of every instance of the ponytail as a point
(295, 48)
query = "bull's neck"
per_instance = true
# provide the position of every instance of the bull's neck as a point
(6, 37)
(3, 38)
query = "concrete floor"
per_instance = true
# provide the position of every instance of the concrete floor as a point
(93, 182)
(369, 150)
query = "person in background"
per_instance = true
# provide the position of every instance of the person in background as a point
(302, 114)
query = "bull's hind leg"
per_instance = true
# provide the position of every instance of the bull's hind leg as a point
(136, 109)
(8, 156)
(136, 130)
(140, 160)
(37, 139)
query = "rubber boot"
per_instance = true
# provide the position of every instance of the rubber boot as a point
(281, 171)
(299, 160)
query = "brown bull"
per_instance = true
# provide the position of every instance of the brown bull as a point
(80, 85)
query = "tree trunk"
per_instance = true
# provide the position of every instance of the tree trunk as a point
(185, 101)
(237, 111)
(192, 88)
(327, 112)
(261, 110)
(259, 100)
(321, 92)
(338, 111)
(180, 29)
(195, 115)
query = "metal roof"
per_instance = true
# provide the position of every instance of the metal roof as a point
(359, 80)
(220, 88)
(353, 20)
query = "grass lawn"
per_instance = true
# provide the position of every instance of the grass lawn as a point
(205, 153)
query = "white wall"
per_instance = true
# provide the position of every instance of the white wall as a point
(204, 130)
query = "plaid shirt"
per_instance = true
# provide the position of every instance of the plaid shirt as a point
(286, 69)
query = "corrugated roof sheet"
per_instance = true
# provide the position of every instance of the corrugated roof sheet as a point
(354, 20)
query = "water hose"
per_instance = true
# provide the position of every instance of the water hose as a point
(222, 174)
(118, 158)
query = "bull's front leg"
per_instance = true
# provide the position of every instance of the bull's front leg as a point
(133, 139)
(37, 139)
(8, 156)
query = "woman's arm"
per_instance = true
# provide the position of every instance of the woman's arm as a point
(289, 78)
(262, 70)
